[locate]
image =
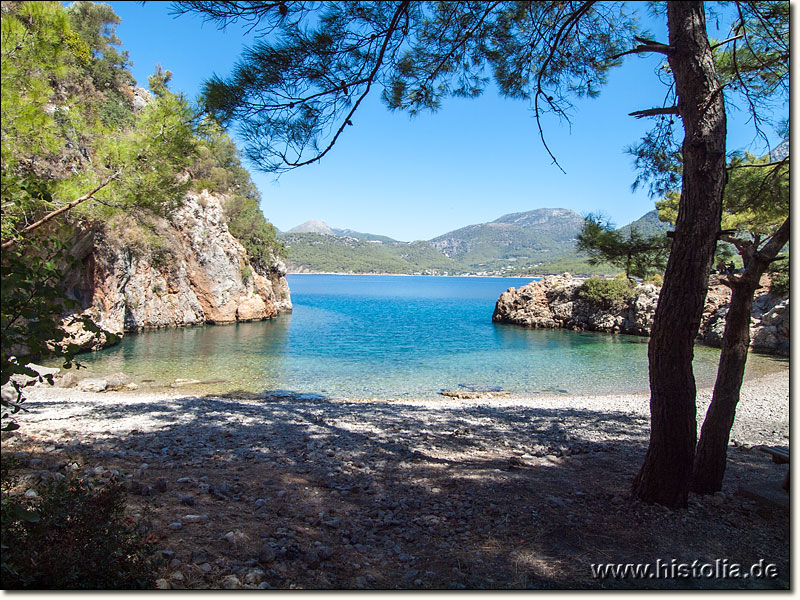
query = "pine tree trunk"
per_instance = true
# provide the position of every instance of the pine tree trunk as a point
(709, 462)
(712, 450)
(665, 476)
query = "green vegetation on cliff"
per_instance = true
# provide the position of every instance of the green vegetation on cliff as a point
(82, 146)
(86, 151)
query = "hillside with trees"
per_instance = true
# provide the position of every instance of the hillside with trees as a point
(537, 242)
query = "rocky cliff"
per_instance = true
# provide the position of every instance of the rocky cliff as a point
(554, 302)
(198, 273)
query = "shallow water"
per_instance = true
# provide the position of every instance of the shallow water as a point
(391, 337)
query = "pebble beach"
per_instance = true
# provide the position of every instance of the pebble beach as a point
(486, 493)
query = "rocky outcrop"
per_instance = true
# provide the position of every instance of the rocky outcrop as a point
(198, 273)
(554, 302)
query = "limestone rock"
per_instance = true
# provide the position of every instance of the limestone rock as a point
(118, 381)
(93, 385)
(201, 275)
(553, 302)
(67, 380)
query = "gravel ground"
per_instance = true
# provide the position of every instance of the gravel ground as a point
(485, 493)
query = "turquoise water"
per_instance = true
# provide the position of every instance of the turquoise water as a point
(389, 337)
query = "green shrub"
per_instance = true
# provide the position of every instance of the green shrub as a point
(779, 271)
(656, 279)
(247, 273)
(246, 223)
(75, 536)
(606, 293)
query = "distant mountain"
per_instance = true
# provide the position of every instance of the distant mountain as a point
(362, 236)
(323, 228)
(539, 241)
(316, 252)
(780, 151)
(312, 227)
(647, 225)
(531, 237)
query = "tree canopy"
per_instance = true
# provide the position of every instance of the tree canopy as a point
(70, 127)
(637, 254)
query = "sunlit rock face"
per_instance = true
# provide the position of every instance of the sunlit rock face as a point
(200, 274)
(554, 302)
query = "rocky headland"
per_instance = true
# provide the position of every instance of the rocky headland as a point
(198, 274)
(555, 302)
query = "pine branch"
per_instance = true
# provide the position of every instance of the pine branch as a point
(50, 216)
(645, 47)
(668, 110)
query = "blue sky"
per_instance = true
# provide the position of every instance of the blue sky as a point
(415, 178)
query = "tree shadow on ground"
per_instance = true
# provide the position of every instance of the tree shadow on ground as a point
(402, 495)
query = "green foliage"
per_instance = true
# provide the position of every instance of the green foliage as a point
(246, 222)
(606, 293)
(656, 279)
(294, 92)
(30, 315)
(755, 204)
(637, 254)
(218, 165)
(68, 120)
(758, 67)
(779, 271)
(33, 53)
(756, 197)
(158, 82)
(95, 25)
(74, 536)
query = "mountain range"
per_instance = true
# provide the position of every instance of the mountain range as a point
(535, 242)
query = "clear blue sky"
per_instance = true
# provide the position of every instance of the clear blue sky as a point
(416, 178)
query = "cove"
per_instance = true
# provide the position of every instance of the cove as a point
(361, 336)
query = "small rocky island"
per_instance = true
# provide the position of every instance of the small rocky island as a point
(556, 302)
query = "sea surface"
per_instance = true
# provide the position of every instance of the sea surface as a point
(361, 336)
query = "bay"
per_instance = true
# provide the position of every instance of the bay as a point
(361, 336)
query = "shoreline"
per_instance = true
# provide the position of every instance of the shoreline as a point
(486, 493)
(168, 389)
(413, 275)
(772, 387)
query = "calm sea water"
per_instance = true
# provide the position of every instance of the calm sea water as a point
(391, 336)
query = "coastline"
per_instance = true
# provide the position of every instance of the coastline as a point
(771, 389)
(420, 275)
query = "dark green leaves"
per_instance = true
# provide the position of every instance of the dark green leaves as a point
(637, 254)
(30, 317)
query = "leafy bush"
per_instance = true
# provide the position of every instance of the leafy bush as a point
(30, 314)
(606, 293)
(779, 271)
(218, 167)
(74, 536)
(656, 279)
(246, 223)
